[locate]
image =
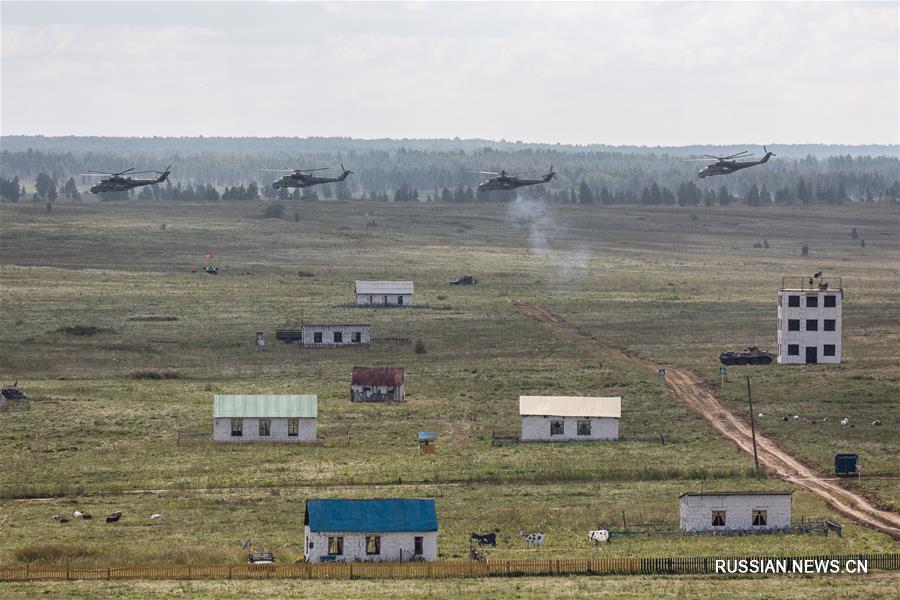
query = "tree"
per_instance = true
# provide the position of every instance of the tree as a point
(752, 197)
(724, 197)
(585, 193)
(45, 186)
(10, 190)
(70, 190)
(854, 235)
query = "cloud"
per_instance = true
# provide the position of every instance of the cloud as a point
(573, 72)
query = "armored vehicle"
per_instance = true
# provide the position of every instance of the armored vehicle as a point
(751, 355)
(13, 392)
(465, 280)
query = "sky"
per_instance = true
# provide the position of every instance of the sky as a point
(640, 73)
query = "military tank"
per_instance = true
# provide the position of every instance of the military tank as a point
(751, 355)
(13, 392)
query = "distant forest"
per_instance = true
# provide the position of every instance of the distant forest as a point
(229, 169)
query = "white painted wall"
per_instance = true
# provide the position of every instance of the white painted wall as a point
(327, 331)
(696, 511)
(535, 428)
(805, 338)
(394, 546)
(279, 431)
(391, 299)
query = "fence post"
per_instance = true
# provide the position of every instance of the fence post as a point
(189, 572)
(229, 571)
(107, 573)
(67, 572)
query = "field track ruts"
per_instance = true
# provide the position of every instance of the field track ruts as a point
(695, 395)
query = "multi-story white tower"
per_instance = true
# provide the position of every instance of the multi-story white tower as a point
(809, 320)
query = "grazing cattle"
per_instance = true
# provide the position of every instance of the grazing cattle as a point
(532, 539)
(796, 417)
(86, 516)
(155, 516)
(485, 539)
(600, 535)
(876, 423)
(844, 421)
(60, 519)
(113, 518)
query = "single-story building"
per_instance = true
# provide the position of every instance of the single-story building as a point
(391, 293)
(569, 418)
(334, 336)
(391, 530)
(377, 384)
(269, 418)
(714, 512)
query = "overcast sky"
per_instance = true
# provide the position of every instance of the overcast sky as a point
(617, 73)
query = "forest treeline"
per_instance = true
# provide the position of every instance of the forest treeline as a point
(233, 173)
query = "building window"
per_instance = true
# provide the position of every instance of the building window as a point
(793, 349)
(828, 350)
(812, 325)
(829, 324)
(718, 518)
(237, 428)
(356, 337)
(584, 427)
(830, 301)
(399, 299)
(793, 324)
(556, 427)
(418, 545)
(335, 545)
(293, 427)
(370, 300)
(265, 426)
(338, 337)
(812, 302)
(794, 301)
(373, 544)
(384, 300)
(317, 337)
(760, 518)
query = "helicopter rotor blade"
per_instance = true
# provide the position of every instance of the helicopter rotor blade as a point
(125, 171)
(484, 172)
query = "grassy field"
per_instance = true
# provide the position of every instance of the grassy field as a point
(672, 285)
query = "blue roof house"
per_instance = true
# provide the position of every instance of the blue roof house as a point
(390, 530)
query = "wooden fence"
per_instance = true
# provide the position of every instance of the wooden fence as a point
(420, 570)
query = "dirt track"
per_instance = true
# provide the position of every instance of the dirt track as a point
(736, 428)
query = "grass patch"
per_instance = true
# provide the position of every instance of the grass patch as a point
(52, 553)
(153, 373)
(83, 330)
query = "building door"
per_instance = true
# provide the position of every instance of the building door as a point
(811, 355)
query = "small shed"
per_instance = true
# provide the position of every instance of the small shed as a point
(334, 336)
(269, 418)
(377, 384)
(427, 440)
(569, 418)
(845, 464)
(389, 530)
(730, 512)
(385, 293)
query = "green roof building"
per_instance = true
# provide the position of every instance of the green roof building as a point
(265, 418)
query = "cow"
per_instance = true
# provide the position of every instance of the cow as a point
(599, 535)
(113, 518)
(485, 539)
(532, 539)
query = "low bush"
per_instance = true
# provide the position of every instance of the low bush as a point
(45, 553)
(153, 374)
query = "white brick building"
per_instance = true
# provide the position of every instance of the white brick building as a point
(257, 418)
(569, 418)
(386, 293)
(390, 530)
(809, 322)
(727, 512)
(334, 336)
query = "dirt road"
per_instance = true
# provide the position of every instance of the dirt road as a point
(696, 396)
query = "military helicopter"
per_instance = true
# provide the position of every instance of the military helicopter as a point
(508, 181)
(725, 165)
(115, 182)
(302, 178)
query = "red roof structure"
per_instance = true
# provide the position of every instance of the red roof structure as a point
(377, 376)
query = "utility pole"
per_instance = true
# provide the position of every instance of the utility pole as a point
(752, 426)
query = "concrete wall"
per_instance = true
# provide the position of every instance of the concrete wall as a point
(696, 512)
(381, 393)
(804, 338)
(394, 546)
(278, 430)
(390, 299)
(328, 331)
(536, 428)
